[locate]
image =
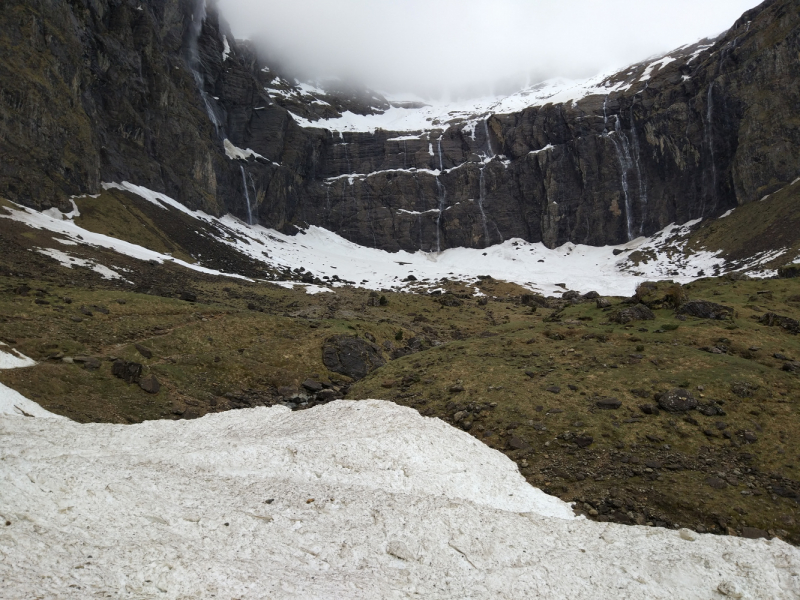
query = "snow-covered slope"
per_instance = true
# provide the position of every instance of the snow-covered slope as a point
(607, 270)
(350, 500)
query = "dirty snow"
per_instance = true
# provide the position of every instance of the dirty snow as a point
(67, 260)
(349, 500)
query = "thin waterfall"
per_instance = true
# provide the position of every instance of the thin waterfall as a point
(488, 138)
(246, 196)
(605, 116)
(442, 203)
(481, 198)
(620, 142)
(198, 18)
(642, 184)
(439, 145)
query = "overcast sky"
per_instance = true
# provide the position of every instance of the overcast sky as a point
(468, 46)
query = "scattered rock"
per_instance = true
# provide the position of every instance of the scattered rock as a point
(517, 443)
(351, 356)
(649, 409)
(553, 389)
(144, 351)
(638, 312)
(743, 389)
(571, 295)
(703, 309)
(312, 386)
(150, 384)
(583, 441)
(591, 296)
(791, 367)
(716, 483)
(608, 403)
(677, 400)
(454, 389)
(188, 296)
(774, 320)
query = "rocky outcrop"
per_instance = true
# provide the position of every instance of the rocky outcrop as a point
(113, 90)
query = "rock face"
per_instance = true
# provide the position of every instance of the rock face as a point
(113, 90)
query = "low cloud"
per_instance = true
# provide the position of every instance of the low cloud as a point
(470, 47)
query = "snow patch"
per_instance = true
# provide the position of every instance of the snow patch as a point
(348, 500)
(235, 153)
(67, 260)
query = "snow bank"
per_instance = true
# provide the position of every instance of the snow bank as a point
(348, 500)
(12, 402)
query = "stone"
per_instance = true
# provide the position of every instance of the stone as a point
(677, 400)
(608, 403)
(703, 309)
(517, 443)
(553, 389)
(583, 441)
(786, 323)
(188, 296)
(91, 364)
(150, 384)
(351, 356)
(455, 389)
(603, 303)
(129, 372)
(791, 367)
(571, 295)
(591, 295)
(638, 312)
(312, 386)
(144, 351)
(716, 483)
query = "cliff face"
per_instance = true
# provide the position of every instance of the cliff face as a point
(108, 90)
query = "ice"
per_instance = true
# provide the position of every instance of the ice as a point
(235, 153)
(348, 500)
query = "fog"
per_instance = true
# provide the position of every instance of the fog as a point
(465, 47)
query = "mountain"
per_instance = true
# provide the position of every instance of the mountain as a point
(159, 94)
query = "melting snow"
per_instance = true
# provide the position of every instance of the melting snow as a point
(66, 260)
(348, 500)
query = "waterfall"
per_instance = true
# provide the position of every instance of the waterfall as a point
(481, 198)
(439, 144)
(488, 139)
(442, 203)
(642, 184)
(246, 197)
(198, 18)
(605, 116)
(347, 158)
(625, 164)
(710, 143)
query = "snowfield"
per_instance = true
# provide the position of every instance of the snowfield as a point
(326, 254)
(349, 500)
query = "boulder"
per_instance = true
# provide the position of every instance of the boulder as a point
(638, 312)
(129, 372)
(608, 403)
(150, 384)
(703, 309)
(677, 400)
(351, 356)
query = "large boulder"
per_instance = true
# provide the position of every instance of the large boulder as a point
(638, 312)
(351, 356)
(703, 309)
(787, 323)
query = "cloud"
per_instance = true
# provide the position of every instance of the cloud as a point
(468, 47)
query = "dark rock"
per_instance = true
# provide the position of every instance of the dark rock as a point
(789, 271)
(455, 389)
(753, 533)
(608, 403)
(351, 356)
(750, 437)
(677, 400)
(188, 296)
(553, 389)
(571, 295)
(703, 309)
(530, 373)
(449, 300)
(127, 371)
(743, 389)
(150, 384)
(312, 386)
(144, 351)
(638, 312)
(716, 483)
(791, 367)
(325, 396)
(91, 364)
(85, 311)
(649, 409)
(583, 441)
(786, 323)
(591, 295)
